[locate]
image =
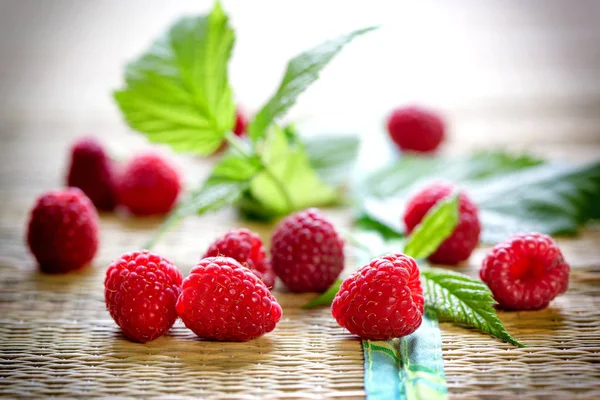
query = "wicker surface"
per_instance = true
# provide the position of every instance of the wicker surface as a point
(56, 337)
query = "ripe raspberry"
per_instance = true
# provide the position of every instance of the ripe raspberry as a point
(92, 171)
(63, 231)
(222, 300)
(149, 185)
(382, 300)
(246, 248)
(416, 129)
(140, 290)
(458, 246)
(525, 272)
(307, 252)
(241, 123)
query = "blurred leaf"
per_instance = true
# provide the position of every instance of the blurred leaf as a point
(177, 92)
(455, 297)
(551, 199)
(410, 172)
(326, 298)
(229, 180)
(436, 226)
(516, 195)
(301, 71)
(332, 156)
(291, 166)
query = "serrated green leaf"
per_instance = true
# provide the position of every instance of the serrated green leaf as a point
(230, 178)
(552, 199)
(408, 173)
(325, 298)
(455, 297)
(291, 166)
(332, 156)
(513, 194)
(436, 226)
(177, 92)
(301, 71)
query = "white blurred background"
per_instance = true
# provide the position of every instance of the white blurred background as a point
(497, 69)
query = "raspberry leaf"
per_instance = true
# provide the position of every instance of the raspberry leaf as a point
(436, 226)
(326, 298)
(332, 156)
(290, 165)
(230, 178)
(301, 71)
(455, 297)
(552, 199)
(514, 194)
(178, 92)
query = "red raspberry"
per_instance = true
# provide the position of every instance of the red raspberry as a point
(307, 252)
(149, 185)
(382, 300)
(525, 272)
(91, 170)
(458, 246)
(222, 300)
(140, 290)
(246, 248)
(241, 123)
(416, 129)
(63, 231)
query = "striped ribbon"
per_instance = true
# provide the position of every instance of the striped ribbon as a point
(408, 368)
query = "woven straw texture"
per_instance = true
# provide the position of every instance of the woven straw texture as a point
(57, 339)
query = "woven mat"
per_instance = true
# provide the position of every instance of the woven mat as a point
(56, 338)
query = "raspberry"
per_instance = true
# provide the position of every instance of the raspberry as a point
(241, 123)
(416, 129)
(149, 185)
(525, 272)
(92, 171)
(222, 300)
(246, 248)
(140, 290)
(307, 252)
(63, 231)
(458, 246)
(382, 300)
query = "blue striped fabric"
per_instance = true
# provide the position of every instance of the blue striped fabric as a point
(409, 368)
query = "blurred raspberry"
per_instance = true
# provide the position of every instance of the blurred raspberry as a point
(416, 129)
(241, 123)
(140, 290)
(465, 237)
(307, 252)
(63, 231)
(246, 248)
(149, 185)
(382, 300)
(525, 272)
(91, 170)
(222, 300)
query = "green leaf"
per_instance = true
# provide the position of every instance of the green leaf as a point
(229, 180)
(301, 71)
(332, 156)
(290, 166)
(325, 298)
(552, 199)
(177, 92)
(514, 194)
(457, 298)
(410, 172)
(436, 226)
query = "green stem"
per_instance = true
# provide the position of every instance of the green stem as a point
(234, 142)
